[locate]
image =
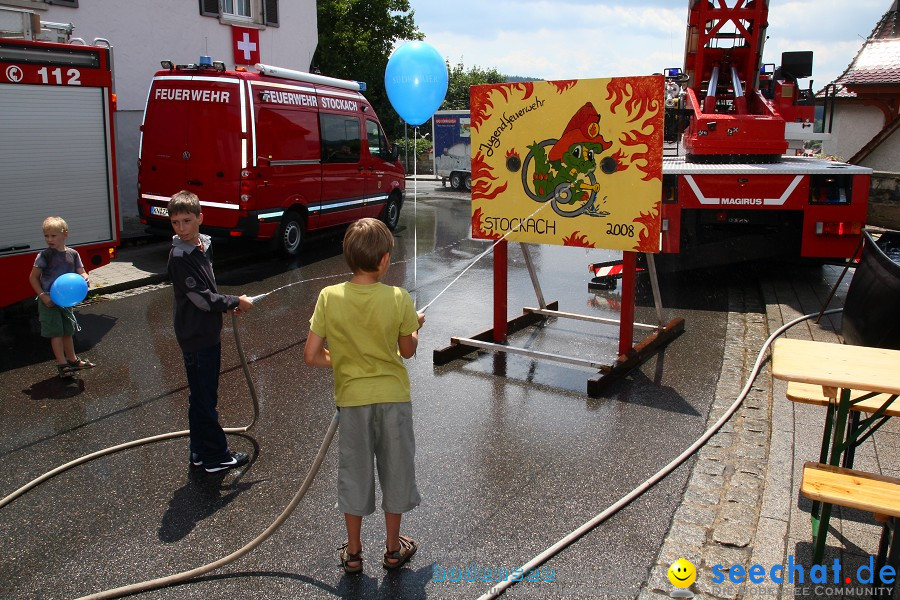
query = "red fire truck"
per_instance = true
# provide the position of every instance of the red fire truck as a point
(57, 151)
(272, 154)
(730, 192)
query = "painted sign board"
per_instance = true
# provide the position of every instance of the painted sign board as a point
(571, 163)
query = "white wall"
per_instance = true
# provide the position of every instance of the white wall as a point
(886, 157)
(854, 126)
(144, 33)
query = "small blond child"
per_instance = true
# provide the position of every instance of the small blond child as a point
(57, 322)
(368, 327)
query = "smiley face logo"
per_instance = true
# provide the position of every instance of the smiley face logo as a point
(682, 573)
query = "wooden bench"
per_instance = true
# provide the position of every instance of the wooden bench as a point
(811, 393)
(877, 494)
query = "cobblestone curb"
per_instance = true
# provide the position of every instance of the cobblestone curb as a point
(717, 520)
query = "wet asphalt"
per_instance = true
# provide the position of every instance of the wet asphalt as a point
(511, 453)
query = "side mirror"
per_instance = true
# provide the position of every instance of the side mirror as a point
(395, 153)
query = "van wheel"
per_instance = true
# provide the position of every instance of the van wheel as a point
(468, 183)
(290, 236)
(456, 181)
(391, 214)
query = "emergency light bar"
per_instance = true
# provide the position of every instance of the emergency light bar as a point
(206, 62)
(307, 77)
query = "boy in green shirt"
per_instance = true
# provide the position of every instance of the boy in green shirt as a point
(369, 326)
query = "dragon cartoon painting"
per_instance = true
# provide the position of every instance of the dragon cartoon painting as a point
(565, 174)
(574, 162)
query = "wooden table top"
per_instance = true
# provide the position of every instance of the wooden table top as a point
(837, 365)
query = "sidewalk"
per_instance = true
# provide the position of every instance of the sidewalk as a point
(742, 505)
(141, 260)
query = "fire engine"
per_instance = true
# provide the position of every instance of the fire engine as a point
(272, 154)
(57, 146)
(731, 191)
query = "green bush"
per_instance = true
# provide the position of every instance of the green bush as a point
(407, 145)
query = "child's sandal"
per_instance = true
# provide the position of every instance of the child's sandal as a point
(66, 371)
(81, 363)
(408, 547)
(348, 557)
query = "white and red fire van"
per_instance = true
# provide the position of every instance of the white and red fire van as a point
(272, 154)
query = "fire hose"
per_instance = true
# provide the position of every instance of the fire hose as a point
(495, 591)
(190, 574)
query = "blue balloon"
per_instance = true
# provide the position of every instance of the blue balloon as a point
(416, 81)
(68, 290)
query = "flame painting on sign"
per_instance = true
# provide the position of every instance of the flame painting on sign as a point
(571, 163)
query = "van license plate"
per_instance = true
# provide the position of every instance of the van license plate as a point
(159, 211)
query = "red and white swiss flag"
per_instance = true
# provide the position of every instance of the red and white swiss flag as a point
(245, 42)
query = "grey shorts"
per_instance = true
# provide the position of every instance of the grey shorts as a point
(377, 435)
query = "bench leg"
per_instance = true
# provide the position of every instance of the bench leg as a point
(820, 523)
(826, 434)
(820, 532)
(888, 551)
(850, 441)
(839, 434)
(823, 458)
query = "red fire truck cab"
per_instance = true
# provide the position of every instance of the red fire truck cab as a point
(799, 207)
(272, 154)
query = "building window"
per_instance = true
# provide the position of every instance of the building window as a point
(236, 8)
(39, 4)
(260, 12)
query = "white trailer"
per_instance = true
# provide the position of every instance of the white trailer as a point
(453, 148)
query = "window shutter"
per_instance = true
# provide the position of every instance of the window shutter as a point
(72, 3)
(271, 12)
(209, 8)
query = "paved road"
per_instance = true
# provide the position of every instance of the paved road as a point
(507, 465)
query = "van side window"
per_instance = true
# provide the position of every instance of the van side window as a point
(287, 134)
(377, 142)
(340, 138)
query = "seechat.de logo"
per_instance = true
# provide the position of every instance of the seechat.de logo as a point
(682, 574)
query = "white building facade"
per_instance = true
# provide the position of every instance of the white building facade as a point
(144, 33)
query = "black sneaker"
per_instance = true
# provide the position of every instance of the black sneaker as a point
(232, 460)
(196, 461)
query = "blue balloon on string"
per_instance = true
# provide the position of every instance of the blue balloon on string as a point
(68, 290)
(416, 81)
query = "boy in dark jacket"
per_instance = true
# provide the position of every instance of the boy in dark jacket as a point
(198, 308)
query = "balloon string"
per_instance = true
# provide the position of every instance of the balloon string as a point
(415, 212)
(70, 314)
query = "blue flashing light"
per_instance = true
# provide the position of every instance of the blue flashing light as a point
(205, 61)
(362, 85)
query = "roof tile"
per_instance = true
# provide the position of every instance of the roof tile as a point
(878, 62)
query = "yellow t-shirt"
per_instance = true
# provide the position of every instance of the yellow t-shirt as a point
(361, 324)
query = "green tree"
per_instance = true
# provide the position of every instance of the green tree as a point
(461, 80)
(356, 38)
